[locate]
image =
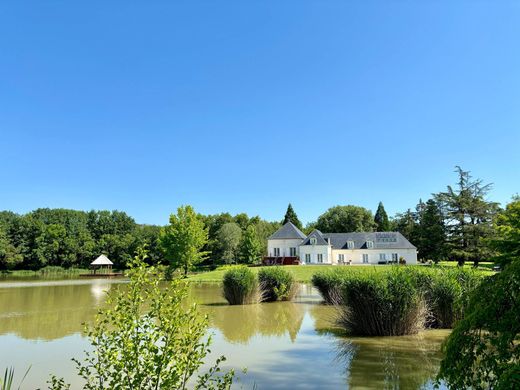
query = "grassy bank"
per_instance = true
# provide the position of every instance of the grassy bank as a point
(46, 271)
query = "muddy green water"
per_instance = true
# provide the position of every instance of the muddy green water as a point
(286, 345)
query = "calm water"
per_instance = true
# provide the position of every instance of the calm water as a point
(286, 345)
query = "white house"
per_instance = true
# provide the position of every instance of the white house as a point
(289, 245)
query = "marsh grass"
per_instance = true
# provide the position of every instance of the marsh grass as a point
(328, 283)
(7, 382)
(241, 287)
(277, 284)
(381, 304)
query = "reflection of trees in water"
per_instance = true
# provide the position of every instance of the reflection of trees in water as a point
(406, 362)
(51, 311)
(324, 317)
(238, 323)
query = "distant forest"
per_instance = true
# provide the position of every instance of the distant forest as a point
(456, 224)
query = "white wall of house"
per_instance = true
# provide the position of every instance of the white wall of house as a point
(374, 255)
(284, 246)
(313, 251)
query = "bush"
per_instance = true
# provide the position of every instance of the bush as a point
(328, 284)
(277, 284)
(381, 304)
(240, 286)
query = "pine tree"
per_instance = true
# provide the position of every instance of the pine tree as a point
(250, 249)
(381, 219)
(431, 232)
(290, 216)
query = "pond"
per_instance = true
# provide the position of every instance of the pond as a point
(283, 345)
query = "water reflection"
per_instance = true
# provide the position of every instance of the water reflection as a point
(49, 310)
(283, 344)
(405, 362)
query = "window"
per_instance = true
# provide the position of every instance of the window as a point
(395, 257)
(365, 258)
(307, 257)
(277, 252)
(341, 258)
(382, 257)
(350, 244)
(370, 244)
(320, 258)
(292, 252)
(313, 240)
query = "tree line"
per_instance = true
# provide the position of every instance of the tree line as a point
(456, 224)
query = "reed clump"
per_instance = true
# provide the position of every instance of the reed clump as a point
(241, 287)
(381, 304)
(277, 284)
(328, 283)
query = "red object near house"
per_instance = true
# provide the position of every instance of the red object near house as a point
(281, 260)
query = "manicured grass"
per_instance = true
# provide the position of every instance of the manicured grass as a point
(301, 273)
(483, 266)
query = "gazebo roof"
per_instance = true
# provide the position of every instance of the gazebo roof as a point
(102, 260)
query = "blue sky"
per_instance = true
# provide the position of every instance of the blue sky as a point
(245, 106)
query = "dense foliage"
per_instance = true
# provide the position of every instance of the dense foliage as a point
(240, 286)
(70, 238)
(507, 240)
(345, 219)
(483, 350)
(147, 339)
(277, 284)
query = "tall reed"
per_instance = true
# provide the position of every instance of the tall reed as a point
(240, 286)
(277, 284)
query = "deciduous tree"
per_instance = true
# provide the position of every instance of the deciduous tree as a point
(345, 219)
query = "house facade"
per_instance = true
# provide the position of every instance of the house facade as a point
(289, 245)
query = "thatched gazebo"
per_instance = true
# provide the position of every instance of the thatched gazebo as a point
(102, 263)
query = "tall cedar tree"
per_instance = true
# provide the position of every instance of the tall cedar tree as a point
(431, 232)
(290, 216)
(250, 248)
(381, 219)
(469, 218)
(183, 239)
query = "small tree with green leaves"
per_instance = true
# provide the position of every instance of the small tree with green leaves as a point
(148, 339)
(250, 249)
(507, 240)
(183, 239)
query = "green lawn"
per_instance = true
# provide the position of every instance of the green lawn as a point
(302, 273)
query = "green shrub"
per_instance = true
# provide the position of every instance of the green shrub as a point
(240, 286)
(381, 303)
(277, 284)
(328, 284)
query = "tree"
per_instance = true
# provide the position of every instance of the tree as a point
(345, 219)
(290, 216)
(229, 236)
(147, 339)
(482, 352)
(431, 233)
(469, 217)
(250, 247)
(182, 240)
(381, 219)
(9, 255)
(507, 241)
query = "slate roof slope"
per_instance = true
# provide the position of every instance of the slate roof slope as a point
(381, 240)
(287, 232)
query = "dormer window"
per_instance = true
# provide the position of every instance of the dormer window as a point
(313, 240)
(350, 244)
(370, 244)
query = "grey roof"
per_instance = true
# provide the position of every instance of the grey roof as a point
(288, 231)
(320, 240)
(381, 240)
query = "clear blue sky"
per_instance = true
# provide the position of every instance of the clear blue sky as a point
(246, 106)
